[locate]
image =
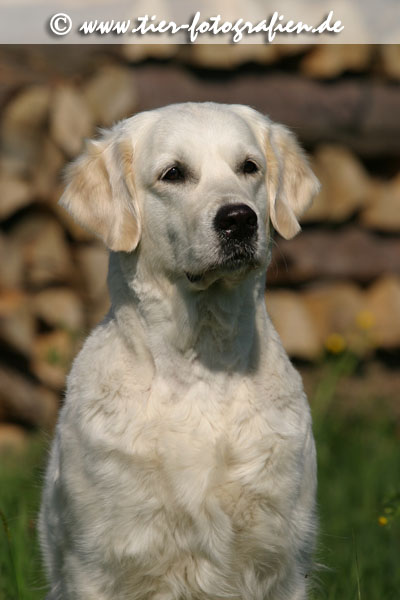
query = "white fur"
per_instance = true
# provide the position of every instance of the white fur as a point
(183, 465)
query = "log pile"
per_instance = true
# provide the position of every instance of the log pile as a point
(340, 277)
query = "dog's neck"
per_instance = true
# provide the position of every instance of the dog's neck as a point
(213, 327)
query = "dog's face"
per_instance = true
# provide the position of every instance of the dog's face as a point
(201, 176)
(194, 186)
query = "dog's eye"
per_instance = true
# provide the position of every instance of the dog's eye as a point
(173, 174)
(249, 166)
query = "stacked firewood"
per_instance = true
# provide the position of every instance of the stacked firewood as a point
(52, 272)
(336, 285)
(345, 266)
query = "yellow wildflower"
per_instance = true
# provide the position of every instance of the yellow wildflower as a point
(383, 521)
(365, 320)
(335, 343)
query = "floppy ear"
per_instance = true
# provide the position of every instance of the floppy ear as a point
(291, 184)
(100, 192)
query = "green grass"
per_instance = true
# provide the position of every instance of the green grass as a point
(359, 467)
(21, 576)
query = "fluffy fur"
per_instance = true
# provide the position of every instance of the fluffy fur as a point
(183, 465)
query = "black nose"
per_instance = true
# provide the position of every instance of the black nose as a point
(236, 221)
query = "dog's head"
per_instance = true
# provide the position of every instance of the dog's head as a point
(193, 187)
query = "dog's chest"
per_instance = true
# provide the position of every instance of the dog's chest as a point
(218, 445)
(199, 463)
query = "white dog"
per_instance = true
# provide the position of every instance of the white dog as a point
(183, 467)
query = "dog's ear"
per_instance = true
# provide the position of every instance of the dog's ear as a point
(100, 192)
(291, 185)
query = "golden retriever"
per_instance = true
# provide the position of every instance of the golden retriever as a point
(183, 465)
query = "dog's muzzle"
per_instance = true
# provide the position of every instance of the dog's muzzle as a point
(236, 227)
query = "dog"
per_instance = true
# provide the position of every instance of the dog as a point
(183, 465)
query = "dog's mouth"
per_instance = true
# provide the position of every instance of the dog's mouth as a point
(239, 261)
(237, 250)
